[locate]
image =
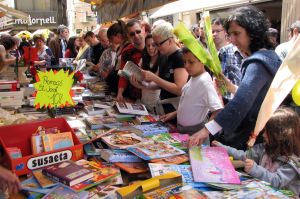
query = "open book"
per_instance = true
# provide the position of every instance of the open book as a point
(129, 108)
(131, 69)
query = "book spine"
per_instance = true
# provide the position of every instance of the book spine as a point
(56, 178)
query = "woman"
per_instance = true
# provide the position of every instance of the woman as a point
(116, 33)
(72, 47)
(7, 45)
(172, 75)
(152, 60)
(247, 28)
(45, 55)
(84, 49)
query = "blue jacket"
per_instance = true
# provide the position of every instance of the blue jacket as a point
(239, 116)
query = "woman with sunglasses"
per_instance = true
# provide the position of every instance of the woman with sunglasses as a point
(172, 75)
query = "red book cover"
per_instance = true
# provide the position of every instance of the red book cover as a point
(68, 173)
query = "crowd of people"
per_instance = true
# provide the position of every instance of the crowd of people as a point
(177, 86)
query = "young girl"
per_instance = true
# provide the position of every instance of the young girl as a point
(198, 97)
(276, 160)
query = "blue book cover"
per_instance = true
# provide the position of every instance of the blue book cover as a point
(31, 184)
(152, 129)
(184, 170)
(119, 155)
(62, 191)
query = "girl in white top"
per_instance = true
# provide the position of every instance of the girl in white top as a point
(198, 97)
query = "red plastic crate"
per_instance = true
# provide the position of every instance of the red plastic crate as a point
(20, 136)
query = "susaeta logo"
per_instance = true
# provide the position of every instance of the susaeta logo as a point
(46, 160)
(33, 21)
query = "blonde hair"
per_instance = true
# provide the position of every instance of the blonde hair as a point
(164, 30)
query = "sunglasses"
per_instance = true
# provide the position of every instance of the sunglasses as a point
(162, 42)
(132, 34)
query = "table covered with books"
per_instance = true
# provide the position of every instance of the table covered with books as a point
(103, 149)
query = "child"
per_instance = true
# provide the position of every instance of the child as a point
(276, 160)
(198, 97)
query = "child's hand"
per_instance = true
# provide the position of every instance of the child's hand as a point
(248, 165)
(216, 143)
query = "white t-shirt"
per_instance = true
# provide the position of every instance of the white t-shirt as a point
(198, 97)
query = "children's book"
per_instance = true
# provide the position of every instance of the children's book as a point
(102, 172)
(91, 150)
(103, 192)
(31, 184)
(188, 194)
(122, 141)
(68, 173)
(118, 155)
(14, 152)
(97, 122)
(57, 141)
(166, 138)
(92, 110)
(146, 119)
(184, 170)
(178, 159)
(151, 150)
(133, 167)
(64, 192)
(37, 144)
(122, 117)
(43, 180)
(151, 129)
(212, 164)
(130, 108)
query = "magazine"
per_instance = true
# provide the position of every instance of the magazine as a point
(152, 150)
(122, 141)
(129, 108)
(131, 69)
(212, 164)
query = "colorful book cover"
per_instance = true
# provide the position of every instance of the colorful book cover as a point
(152, 129)
(43, 180)
(102, 172)
(37, 144)
(146, 119)
(31, 184)
(132, 167)
(122, 141)
(103, 192)
(57, 141)
(14, 152)
(68, 173)
(151, 150)
(97, 122)
(212, 164)
(63, 192)
(119, 155)
(166, 138)
(188, 194)
(184, 170)
(178, 159)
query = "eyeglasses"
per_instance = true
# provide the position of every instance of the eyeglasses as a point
(132, 34)
(217, 31)
(162, 42)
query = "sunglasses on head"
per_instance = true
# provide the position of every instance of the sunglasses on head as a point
(132, 34)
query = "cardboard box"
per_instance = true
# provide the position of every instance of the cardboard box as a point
(20, 136)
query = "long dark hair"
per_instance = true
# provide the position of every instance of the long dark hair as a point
(255, 23)
(147, 58)
(283, 132)
(71, 46)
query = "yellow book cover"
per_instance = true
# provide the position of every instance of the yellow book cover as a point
(57, 141)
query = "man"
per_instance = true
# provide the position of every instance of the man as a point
(96, 47)
(219, 33)
(133, 52)
(58, 45)
(283, 49)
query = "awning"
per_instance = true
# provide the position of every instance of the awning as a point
(13, 12)
(110, 10)
(190, 5)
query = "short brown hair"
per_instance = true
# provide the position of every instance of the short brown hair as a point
(38, 36)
